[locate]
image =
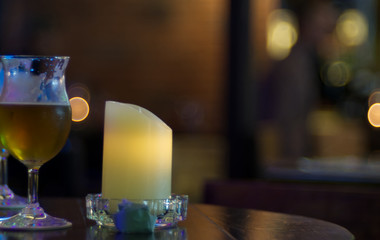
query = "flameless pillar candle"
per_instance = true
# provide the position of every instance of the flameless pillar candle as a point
(137, 154)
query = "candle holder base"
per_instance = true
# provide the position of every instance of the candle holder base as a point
(168, 211)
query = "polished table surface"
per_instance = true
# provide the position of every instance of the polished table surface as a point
(203, 222)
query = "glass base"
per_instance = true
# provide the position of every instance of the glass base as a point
(32, 218)
(9, 200)
(16, 202)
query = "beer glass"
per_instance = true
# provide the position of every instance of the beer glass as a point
(8, 199)
(35, 121)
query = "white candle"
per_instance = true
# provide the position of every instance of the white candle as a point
(137, 154)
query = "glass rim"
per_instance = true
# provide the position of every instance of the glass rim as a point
(12, 56)
(98, 196)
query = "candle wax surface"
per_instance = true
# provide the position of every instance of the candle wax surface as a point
(137, 154)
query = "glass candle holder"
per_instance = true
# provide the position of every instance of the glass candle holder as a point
(168, 211)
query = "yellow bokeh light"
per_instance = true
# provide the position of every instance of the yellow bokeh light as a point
(282, 33)
(374, 115)
(337, 74)
(352, 28)
(80, 109)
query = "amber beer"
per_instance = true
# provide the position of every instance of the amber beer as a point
(34, 132)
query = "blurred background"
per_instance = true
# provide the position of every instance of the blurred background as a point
(273, 91)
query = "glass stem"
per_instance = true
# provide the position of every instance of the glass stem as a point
(33, 185)
(3, 171)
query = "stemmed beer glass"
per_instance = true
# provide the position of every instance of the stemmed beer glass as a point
(8, 199)
(35, 121)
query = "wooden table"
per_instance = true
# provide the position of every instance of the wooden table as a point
(204, 222)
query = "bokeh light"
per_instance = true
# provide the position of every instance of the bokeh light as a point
(374, 97)
(374, 115)
(336, 74)
(79, 90)
(80, 109)
(352, 28)
(282, 33)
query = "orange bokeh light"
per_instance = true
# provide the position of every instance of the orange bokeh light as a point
(374, 115)
(80, 109)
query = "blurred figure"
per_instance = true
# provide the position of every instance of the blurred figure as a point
(295, 83)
